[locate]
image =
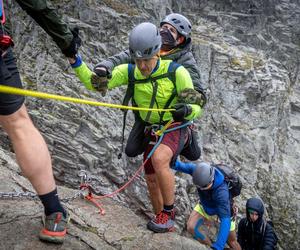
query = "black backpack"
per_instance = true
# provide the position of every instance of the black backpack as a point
(232, 178)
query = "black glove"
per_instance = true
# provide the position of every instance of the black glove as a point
(72, 50)
(99, 80)
(182, 111)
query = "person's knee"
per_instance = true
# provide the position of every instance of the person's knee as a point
(232, 240)
(190, 227)
(131, 151)
(16, 121)
(162, 158)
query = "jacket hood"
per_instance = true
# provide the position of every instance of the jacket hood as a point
(219, 179)
(256, 205)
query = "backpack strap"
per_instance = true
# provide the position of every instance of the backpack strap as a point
(128, 95)
(172, 76)
(263, 231)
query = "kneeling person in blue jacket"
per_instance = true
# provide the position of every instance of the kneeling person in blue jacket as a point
(215, 200)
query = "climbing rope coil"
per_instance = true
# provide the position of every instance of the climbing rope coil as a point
(86, 191)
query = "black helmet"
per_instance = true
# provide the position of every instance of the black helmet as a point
(144, 41)
(180, 22)
(203, 174)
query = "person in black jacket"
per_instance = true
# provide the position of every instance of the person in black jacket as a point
(254, 232)
(29, 146)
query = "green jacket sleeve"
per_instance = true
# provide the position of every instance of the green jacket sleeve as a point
(47, 17)
(184, 81)
(119, 75)
(84, 74)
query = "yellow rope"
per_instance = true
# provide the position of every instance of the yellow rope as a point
(17, 91)
(159, 132)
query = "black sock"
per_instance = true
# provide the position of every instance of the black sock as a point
(51, 203)
(168, 208)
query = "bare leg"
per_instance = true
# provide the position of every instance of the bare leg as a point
(154, 192)
(166, 180)
(191, 224)
(31, 150)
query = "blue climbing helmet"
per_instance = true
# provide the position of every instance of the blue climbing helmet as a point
(144, 41)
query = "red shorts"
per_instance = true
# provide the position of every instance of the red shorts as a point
(170, 139)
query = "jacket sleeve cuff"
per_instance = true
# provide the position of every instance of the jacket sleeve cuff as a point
(77, 63)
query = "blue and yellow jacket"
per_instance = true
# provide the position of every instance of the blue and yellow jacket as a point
(215, 201)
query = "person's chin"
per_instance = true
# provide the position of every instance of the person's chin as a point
(145, 73)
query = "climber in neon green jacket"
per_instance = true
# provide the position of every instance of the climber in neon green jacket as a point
(159, 84)
(143, 92)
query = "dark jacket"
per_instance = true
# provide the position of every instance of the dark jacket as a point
(258, 235)
(46, 16)
(183, 56)
(215, 201)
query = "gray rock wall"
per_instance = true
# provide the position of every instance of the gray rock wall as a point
(248, 54)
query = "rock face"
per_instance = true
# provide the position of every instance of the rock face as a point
(119, 228)
(248, 55)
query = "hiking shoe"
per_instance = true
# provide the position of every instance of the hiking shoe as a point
(163, 222)
(55, 228)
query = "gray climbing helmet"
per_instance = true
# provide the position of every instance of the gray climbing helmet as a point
(180, 23)
(144, 41)
(203, 174)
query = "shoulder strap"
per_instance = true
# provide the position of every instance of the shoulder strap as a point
(130, 87)
(172, 71)
(172, 76)
(263, 231)
(128, 95)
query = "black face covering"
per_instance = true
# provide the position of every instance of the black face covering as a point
(168, 41)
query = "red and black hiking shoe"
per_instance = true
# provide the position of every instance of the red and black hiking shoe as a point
(55, 228)
(163, 222)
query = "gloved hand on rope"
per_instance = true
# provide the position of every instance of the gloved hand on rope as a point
(182, 111)
(192, 96)
(72, 49)
(99, 80)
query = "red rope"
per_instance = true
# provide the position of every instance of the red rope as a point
(137, 173)
(93, 198)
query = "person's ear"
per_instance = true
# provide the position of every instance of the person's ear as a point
(180, 40)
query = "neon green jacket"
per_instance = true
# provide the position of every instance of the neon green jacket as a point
(143, 91)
